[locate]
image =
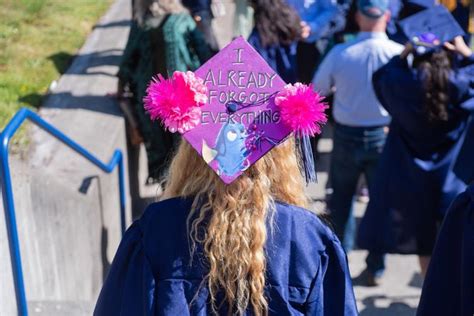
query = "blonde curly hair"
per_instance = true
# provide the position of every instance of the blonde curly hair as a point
(231, 224)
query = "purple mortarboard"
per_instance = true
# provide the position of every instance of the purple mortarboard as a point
(234, 108)
(430, 28)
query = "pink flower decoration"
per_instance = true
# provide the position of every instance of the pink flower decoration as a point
(176, 101)
(301, 109)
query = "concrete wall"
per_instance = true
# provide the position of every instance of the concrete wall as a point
(67, 209)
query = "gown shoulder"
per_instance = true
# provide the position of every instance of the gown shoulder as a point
(129, 286)
(151, 274)
(448, 288)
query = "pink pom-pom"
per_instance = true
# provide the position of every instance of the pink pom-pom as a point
(301, 109)
(176, 101)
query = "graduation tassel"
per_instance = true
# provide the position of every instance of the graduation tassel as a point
(305, 151)
(302, 111)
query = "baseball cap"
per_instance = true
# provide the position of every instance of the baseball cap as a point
(373, 8)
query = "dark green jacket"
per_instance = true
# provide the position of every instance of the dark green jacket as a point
(174, 44)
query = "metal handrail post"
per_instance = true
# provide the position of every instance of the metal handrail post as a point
(10, 219)
(121, 175)
(8, 201)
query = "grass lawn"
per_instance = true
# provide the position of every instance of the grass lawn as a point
(37, 40)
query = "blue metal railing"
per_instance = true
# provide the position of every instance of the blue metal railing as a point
(9, 206)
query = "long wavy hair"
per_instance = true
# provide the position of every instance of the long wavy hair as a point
(229, 221)
(276, 22)
(434, 70)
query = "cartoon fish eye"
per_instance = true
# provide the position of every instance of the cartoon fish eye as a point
(231, 136)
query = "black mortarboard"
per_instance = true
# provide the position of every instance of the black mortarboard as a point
(430, 28)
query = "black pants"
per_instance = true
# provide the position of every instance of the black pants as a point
(307, 60)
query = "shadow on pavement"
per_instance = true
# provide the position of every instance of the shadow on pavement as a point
(394, 309)
(66, 100)
(120, 23)
(84, 63)
(416, 280)
(61, 61)
(139, 200)
(104, 239)
(33, 99)
(97, 63)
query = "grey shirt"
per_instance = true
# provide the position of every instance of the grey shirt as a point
(348, 68)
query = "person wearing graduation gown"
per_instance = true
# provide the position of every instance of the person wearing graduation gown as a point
(321, 19)
(274, 37)
(248, 247)
(232, 234)
(428, 93)
(449, 285)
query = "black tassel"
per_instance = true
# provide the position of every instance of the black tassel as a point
(303, 143)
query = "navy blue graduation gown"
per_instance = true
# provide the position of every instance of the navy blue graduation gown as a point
(282, 58)
(416, 179)
(151, 274)
(448, 288)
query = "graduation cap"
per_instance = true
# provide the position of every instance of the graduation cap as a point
(235, 108)
(411, 7)
(430, 28)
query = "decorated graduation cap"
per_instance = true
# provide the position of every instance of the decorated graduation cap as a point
(430, 28)
(235, 108)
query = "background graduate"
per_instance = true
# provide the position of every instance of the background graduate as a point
(449, 285)
(275, 35)
(428, 92)
(232, 235)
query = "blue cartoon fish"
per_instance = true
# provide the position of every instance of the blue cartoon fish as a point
(230, 151)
